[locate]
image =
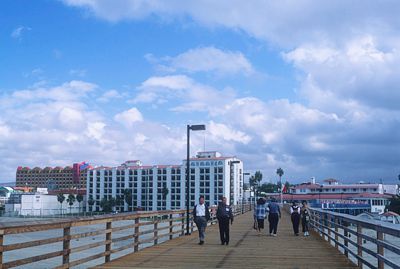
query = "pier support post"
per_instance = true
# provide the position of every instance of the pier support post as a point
(66, 245)
(136, 235)
(359, 245)
(379, 235)
(1, 247)
(108, 241)
(171, 227)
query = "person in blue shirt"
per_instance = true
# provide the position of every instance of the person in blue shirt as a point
(273, 217)
(260, 213)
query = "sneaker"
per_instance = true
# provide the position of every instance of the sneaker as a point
(222, 243)
(274, 234)
(201, 242)
(305, 233)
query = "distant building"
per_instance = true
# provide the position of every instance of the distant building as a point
(53, 178)
(38, 204)
(163, 187)
(335, 188)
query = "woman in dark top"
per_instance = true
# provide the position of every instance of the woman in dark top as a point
(295, 216)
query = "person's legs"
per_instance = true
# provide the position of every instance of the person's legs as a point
(293, 223)
(296, 224)
(275, 223)
(221, 231)
(306, 228)
(202, 229)
(226, 224)
(270, 221)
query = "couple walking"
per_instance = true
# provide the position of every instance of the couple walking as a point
(298, 214)
(274, 214)
(201, 216)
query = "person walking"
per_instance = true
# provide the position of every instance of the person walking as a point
(224, 216)
(201, 216)
(305, 218)
(295, 216)
(273, 217)
(259, 214)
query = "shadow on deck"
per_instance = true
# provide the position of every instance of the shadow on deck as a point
(246, 250)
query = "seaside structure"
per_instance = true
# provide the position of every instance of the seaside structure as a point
(163, 187)
(53, 178)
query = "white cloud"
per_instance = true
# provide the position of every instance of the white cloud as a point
(17, 32)
(129, 117)
(225, 133)
(207, 59)
(109, 95)
(192, 96)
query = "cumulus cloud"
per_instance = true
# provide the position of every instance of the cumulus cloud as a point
(129, 117)
(193, 96)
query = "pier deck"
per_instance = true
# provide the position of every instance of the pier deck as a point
(246, 250)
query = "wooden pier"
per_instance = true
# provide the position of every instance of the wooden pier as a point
(246, 250)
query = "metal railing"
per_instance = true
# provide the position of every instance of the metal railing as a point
(367, 243)
(90, 241)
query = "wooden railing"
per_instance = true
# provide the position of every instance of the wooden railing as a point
(367, 243)
(68, 243)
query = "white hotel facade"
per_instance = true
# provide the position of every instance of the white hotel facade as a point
(211, 175)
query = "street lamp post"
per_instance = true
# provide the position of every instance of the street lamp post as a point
(244, 174)
(201, 127)
(231, 181)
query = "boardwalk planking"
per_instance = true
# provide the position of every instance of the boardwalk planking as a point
(246, 250)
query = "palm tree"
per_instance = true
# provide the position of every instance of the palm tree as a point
(79, 199)
(91, 202)
(128, 197)
(61, 199)
(165, 192)
(71, 200)
(258, 177)
(280, 173)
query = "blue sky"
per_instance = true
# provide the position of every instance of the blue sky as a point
(300, 85)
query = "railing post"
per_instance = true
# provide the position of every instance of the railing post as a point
(156, 232)
(183, 224)
(1, 247)
(66, 245)
(328, 227)
(136, 235)
(359, 245)
(346, 239)
(379, 235)
(108, 241)
(336, 222)
(192, 226)
(171, 228)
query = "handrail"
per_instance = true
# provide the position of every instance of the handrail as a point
(337, 228)
(137, 230)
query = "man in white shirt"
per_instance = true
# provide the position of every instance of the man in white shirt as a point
(201, 216)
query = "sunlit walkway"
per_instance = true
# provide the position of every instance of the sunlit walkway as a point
(246, 250)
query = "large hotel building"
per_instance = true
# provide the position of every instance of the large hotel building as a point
(163, 187)
(53, 178)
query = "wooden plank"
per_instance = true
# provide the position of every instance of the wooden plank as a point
(33, 243)
(32, 259)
